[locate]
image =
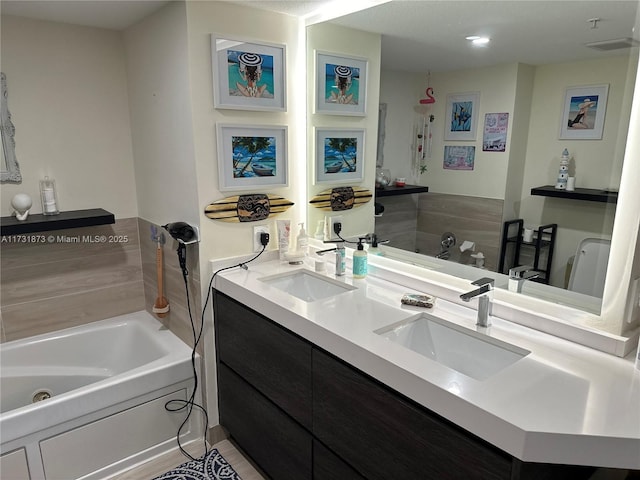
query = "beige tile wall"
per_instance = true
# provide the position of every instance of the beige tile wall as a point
(62, 279)
(177, 320)
(399, 221)
(475, 219)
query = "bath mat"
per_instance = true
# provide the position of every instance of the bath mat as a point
(211, 466)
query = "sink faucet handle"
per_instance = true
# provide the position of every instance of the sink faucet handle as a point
(484, 281)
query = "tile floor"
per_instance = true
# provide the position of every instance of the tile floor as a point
(171, 460)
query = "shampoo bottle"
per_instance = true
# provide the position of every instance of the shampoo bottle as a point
(360, 261)
(302, 242)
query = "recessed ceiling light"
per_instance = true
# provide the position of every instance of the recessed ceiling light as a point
(481, 41)
(472, 37)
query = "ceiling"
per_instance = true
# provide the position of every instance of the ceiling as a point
(417, 35)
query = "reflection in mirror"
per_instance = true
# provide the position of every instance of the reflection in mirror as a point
(533, 58)
(10, 171)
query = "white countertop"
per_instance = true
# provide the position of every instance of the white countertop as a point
(562, 403)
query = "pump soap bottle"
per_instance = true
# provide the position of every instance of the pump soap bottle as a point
(360, 261)
(302, 242)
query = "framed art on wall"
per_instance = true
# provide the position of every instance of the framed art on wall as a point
(251, 157)
(459, 157)
(248, 75)
(339, 155)
(461, 118)
(583, 112)
(341, 84)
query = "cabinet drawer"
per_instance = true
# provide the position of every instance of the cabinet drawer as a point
(328, 466)
(280, 446)
(384, 436)
(267, 356)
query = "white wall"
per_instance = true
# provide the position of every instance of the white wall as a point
(68, 98)
(339, 40)
(161, 121)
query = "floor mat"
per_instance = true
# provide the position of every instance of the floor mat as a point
(211, 466)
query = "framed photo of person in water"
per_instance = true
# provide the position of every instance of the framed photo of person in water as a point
(341, 84)
(248, 75)
(461, 118)
(583, 112)
(251, 157)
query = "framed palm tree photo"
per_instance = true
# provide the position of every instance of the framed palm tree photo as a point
(339, 155)
(252, 157)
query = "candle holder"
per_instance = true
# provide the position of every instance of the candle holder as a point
(49, 197)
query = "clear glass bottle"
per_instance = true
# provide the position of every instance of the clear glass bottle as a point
(49, 197)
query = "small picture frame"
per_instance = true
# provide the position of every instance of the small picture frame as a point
(252, 157)
(248, 75)
(461, 118)
(339, 155)
(341, 85)
(459, 157)
(583, 112)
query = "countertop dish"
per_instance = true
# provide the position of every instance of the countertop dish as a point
(560, 403)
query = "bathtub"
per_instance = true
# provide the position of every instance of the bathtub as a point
(88, 402)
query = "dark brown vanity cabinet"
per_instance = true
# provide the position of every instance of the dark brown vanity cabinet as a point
(301, 413)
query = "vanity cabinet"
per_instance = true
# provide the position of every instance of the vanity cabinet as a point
(301, 413)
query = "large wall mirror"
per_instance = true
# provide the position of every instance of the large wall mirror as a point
(539, 53)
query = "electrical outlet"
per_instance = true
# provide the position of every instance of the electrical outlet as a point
(332, 221)
(257, 230)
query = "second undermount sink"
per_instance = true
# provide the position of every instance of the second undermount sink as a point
(468, 352)
(306, 285)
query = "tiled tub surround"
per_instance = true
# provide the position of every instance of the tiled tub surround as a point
(562, 403)
(77, 276)
(177, 320)
(416, 223)
(106, 378)
(64, 278)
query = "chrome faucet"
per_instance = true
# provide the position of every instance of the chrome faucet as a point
(484, 294)
(340, 256)
(518, 275)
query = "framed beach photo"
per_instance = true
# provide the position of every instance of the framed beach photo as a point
(583, 112)
(339, 155)
(251, 157)
(248, 75)
(340, 84)
(461, 117)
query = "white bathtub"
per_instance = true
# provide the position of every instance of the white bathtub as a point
(108, 382)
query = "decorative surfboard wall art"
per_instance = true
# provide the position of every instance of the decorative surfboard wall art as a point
(341, 198)
(251, 207)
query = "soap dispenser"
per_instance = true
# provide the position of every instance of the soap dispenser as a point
(302, 242)
(360, 261)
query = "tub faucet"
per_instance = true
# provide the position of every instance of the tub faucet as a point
(518, 275)
(484, 294)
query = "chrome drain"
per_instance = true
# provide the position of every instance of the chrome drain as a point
(41, 395)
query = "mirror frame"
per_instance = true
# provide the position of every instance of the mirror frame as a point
(12, 173)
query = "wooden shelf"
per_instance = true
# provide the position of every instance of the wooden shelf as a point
(406, 190)
(44, 223)
(587, 194)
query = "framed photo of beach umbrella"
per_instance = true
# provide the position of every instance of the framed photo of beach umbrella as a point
(251, 156)
(341, 84)
(583, 112)
(248, 75)
(339, 155)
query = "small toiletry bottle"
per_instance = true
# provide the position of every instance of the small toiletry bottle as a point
(302, 243)
(49, 197)
(319, 235)
(360, 261)
(340, 259)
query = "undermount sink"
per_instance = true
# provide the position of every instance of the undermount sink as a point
(306, 285)
(471, 353)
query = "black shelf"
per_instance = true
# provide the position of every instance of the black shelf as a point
(44, 223)
(406, 190)
(587, 194)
